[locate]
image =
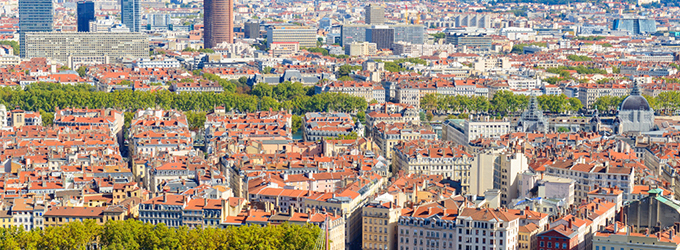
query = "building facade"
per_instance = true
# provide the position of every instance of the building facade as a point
(85, 15)
(131, 14)
(67, 46)
(219, 22)
(34, 16)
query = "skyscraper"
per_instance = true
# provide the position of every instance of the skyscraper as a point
(131, 14)
(85, 15)
(375, 14)
(382, 36)
(219, 22)
(251, 29)
(34, 16)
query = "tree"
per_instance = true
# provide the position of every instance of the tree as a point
(64, 67)
(345, 79)
(577, 58)
(14, 44)
(345, 70)
(47, 118)
(361, 117)
(429, 102)
(196, 120)
(82, 71)
(267, 70)
(297, 123)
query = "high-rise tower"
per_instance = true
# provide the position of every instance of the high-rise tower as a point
(34, 16)
(219, 22)
(85, 15)
(375, 14)
(131, 14)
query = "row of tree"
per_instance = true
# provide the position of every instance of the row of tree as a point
(132, 234)
(503, 102)
(44, 97)
(666, 103)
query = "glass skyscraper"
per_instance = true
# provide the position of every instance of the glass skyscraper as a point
(85, 15)
(34, 16)
(131, 14)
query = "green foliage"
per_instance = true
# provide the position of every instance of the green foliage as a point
(589, 38)
(563, 130)
(196, 120)
(133, 235)
(323, 51)
(297, 123)
(351, 136)
(616, 70)
(577, 58)
(457, 103)
(438, 36)
(64, 67)
(203, 50)
(267, 70)
(504, 102)
(676, 66)
(82, 71)
(345, 79)
(607, 45)
(608, 103)
(361, 116)
(291, 96)
(429, 116)
(227, 85)
(47, 118)
(553, 80)
(347, 69)
(559, 103)
(14, 44)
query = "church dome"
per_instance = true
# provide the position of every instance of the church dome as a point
(635, 102)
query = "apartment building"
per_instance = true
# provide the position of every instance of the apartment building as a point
(589, 93)
(110, 118)
(176, 210)
(465, 131)
(432, 157)
(317, 126)
(58, 216)
(368, 90)
(391, 113)
(587, 175)
(389, 135)
(200, 86)
(361, 49)
(68, 46)
(379, 226)
(304, 36)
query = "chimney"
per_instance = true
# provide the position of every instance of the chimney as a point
(572, 218)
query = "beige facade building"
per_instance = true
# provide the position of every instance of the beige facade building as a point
(65, 47)
(431, 157)
(361, 49)
(389, 135)
(305, 36)
(380, 226)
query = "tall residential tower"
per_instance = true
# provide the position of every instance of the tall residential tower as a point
(34, 16)
(219, 22)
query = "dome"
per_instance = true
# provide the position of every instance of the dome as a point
(635, 102)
